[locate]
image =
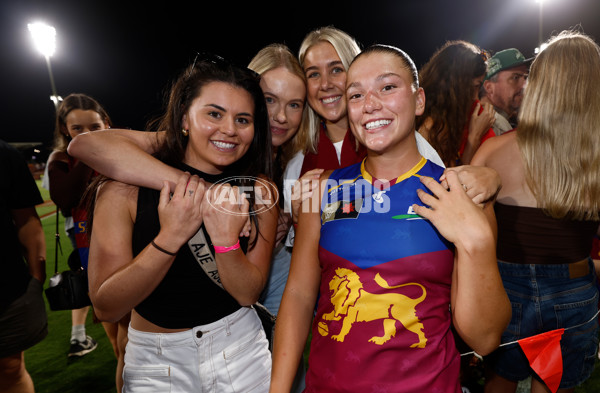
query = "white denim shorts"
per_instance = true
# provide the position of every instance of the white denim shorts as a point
(229, 355)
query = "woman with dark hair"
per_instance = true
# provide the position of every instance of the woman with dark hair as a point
(148, 248)
(454, 121)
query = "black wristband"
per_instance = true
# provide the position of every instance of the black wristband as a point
(162, 249)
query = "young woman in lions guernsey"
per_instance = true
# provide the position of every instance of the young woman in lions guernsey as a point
(392, 263)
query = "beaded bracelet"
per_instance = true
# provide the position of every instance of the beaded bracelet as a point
(162, 249)
(221, 250)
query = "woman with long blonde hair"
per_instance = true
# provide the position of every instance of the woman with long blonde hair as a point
(326, 142)
(548, 212)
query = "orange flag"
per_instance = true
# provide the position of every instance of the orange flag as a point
(545, 357)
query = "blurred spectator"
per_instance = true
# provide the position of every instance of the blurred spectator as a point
(23, 321)
(455, 123)
(504, 85)
(68, 179)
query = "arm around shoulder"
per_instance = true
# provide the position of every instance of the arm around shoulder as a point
(243, 275)
(125, 155)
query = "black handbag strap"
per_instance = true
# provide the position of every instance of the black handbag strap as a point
(57, 246)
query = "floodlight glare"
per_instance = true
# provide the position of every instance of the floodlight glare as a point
(44, 38)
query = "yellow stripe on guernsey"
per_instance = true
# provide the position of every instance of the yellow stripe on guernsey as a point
(412, 172)
(342, 183)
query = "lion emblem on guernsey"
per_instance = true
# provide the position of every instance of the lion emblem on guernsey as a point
(352, 303)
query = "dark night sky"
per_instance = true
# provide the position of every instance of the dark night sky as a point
(124, 53)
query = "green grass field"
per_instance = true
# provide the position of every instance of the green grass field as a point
(47, 361)
(94, 373)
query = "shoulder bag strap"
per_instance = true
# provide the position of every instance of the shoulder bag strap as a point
(57, 245)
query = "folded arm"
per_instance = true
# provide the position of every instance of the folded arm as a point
(481, 121)
(225, 214)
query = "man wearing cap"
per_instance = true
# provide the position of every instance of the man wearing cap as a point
(503, 87)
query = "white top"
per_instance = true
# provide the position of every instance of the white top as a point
(338, 150)
(501, 125)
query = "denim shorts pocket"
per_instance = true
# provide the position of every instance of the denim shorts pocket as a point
(591, 353)
(578, 311)
(579, 356)
(249, 364)
(513, 330)
(579, 343)
(146, 379)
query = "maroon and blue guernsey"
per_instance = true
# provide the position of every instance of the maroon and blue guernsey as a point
(383, 316)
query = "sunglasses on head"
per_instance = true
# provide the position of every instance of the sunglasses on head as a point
(485, 55)
(219, 61)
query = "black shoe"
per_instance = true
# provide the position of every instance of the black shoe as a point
(79, 348)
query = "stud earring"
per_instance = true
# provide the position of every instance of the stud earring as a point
(185, 132)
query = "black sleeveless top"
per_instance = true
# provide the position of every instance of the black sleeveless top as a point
(186, 297)
(527, 235)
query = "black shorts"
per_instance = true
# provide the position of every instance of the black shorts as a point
(24, 323)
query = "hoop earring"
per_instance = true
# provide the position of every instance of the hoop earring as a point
(185, 132)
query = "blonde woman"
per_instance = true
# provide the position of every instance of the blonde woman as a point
(547, 212)
(283, 83)
(325, 54)
(284, 86)
(326, 141)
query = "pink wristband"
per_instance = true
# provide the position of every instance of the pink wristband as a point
(221, 250)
